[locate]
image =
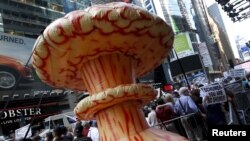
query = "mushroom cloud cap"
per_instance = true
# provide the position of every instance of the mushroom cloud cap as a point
(83, 35)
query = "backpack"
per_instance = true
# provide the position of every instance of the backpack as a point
(164, 113)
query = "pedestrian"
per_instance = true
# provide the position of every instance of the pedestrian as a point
(93, 131)
(58, 134)
(78, 134)
(86, 127)
(49, 136)
(185, 106)
(152, 118)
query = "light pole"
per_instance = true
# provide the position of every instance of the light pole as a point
(182, 69)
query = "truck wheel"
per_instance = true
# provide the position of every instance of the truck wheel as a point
(8, 79)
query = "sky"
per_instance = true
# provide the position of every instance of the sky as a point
(234, 30)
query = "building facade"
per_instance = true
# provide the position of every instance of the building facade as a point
(21, 22)
(214, 69)
(178, 15)
(222, 37)
(30, 17)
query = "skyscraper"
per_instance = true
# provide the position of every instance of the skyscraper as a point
(177, 14)
(30, 17)
(150, 6)
(215, 13)
(206, 36)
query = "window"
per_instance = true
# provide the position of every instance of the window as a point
(147, 2)
(195, 47)
(6, 12)
(56, 7)
(171, 55)
(149, 7)
(192, 37)
(26, 1)
(15, 14)
(12, 3)
(41, 3)
(58, 122)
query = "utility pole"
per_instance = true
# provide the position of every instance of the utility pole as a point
(182, 70)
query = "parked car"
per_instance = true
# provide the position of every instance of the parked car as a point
(11, 70)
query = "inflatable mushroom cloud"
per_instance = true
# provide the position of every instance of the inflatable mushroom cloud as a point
(102, 49)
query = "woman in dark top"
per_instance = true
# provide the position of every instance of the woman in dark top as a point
(78, 134)
(216, 114)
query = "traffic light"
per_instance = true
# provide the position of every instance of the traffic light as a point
(228, 8)
(248, 44)
(222, 2)
(232, 14)
(237, 10)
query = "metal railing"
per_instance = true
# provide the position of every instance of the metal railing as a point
(176, 125)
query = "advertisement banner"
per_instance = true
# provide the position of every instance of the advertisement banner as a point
(245, 52)
(206, 59)
(16, 47)
(19, 83)
(182, 45)
(24, 114)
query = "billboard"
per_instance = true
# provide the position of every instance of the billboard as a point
(16, 47)
(182, 45)
(193, 59)
(206, 59)
(16, 70)
(245, 52)
(19, 83)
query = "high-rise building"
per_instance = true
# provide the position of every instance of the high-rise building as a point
(222, 36)
(160, 75)
(30, 17)
(149, 5)
(107, 1)
(215, 12)
(178, 15)
(207, 37)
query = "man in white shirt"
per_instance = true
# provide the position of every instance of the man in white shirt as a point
(93, 132)
(152, 119)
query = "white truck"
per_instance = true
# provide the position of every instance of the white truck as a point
(67, 119)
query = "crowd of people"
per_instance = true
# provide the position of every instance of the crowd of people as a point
(186, 109)
(81, 131)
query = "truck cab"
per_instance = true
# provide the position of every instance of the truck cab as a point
(66, 119)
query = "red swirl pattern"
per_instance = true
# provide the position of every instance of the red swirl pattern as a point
(84, 35)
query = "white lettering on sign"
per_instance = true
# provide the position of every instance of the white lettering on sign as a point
(215, 93)
(238, 73)
(216, 132)
(20, 112)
